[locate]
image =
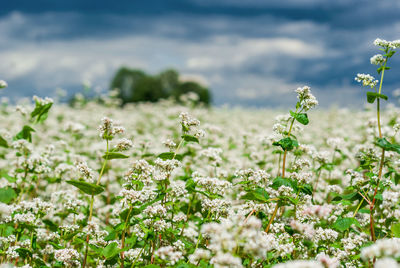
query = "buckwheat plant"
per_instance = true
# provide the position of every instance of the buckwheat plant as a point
(306, 101)
(376, 187)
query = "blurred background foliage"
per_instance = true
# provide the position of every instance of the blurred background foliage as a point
(134, 85)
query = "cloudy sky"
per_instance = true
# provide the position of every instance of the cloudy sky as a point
(248, 52)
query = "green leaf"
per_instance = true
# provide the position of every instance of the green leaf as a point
(3, 142)
(23, 252)
(88, 188)
(51, 225)
(259, 194)
(390, 54)
(302, 118)
(113, 155)
(342, 224)
(307, 189)
(372, 96)
(190, 138)
(25, 133)
(41, 112)
(7, 194)
(380, 69)
(396, 229)
(170, 155)
(111, 250)
(286, 144)
(279, 181)
(384, 144)
(351, 196)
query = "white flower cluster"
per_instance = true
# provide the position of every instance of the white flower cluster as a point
(187, 121)
(68, 256)
(235, 232)
(377, 59)
(108, 130)
(42, 101)
(3, 84)
(213, 154)
(123, 144)
(307, 100)
(299, 264)
(141, 170)
(387, 44)
(213, 185)
(84, 170)
(258, 176)
(132, 196)
(389, 247)
(170, 144)
(169, 254)
(134, 254)
(366, 80)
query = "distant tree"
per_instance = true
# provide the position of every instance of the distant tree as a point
(186, 87)
(169, 80)
(135, 85)
(126, 80)
(148, 88)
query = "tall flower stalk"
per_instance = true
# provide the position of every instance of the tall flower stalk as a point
(107, 132)
(306, 101)
(368, 81)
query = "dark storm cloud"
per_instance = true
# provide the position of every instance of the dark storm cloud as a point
(249, 52)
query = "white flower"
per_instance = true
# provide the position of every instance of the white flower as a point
(3, 84)
(123, 144)
(387, 44)
(377, 59)
(306, 99)
(366, 80)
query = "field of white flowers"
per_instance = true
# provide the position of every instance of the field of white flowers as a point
(167, 184)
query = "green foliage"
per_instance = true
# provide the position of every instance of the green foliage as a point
(3, 142)
(372, 96)
(41, 112)
(111, 250)
(25, 133)
(258, 194)
(114, 155)
(137, 86)
(7, 194)
(302, 118)
(170, 155)
(190, 138)
(342, 224)
(286, 144)
(385, 144)
(396, 229)
(88, 188)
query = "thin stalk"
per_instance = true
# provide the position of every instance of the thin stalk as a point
(358, 207)
(91, 207)
(283, 175)
(372, 205)
(272, 217)
(285, 152)
(137, 257)
(177, 148)
(123, 236)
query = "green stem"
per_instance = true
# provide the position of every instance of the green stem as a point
(137, 257)
(177, 148)
(91, 206)
(198, 241)
(358, 207)
(372, 204)
(123, 236)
